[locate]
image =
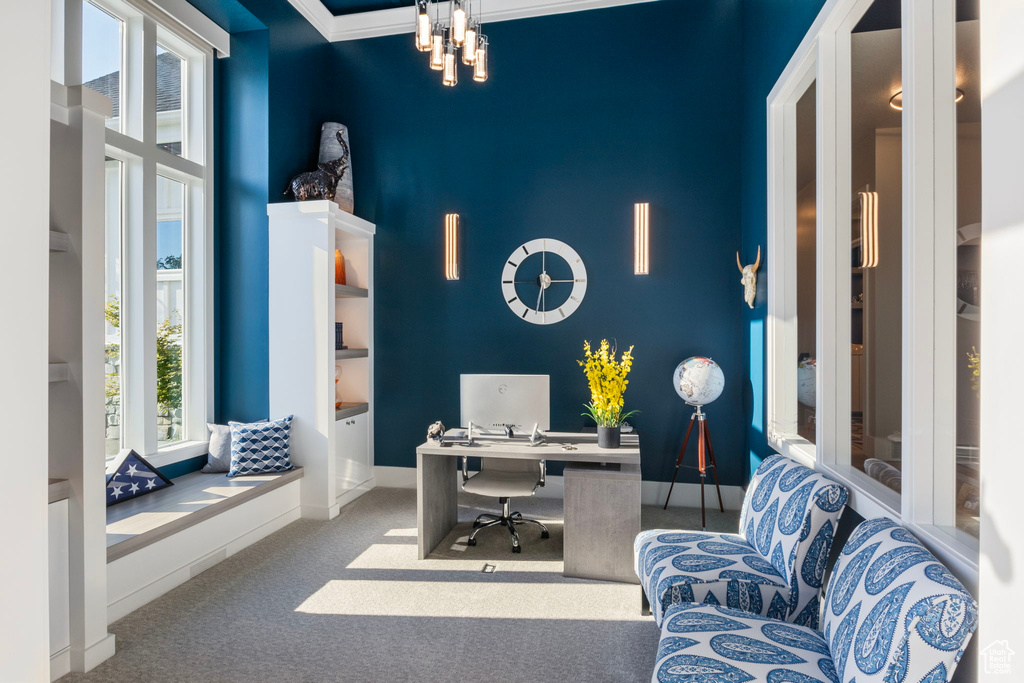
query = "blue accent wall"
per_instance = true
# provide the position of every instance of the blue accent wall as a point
(772, 30)
(581, 118)
(271, 96)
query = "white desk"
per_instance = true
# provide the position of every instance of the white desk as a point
(437, 487)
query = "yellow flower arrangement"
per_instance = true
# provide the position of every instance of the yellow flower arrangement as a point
(607, 379)
(974, 364)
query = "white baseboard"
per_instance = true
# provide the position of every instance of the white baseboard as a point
(351, 494)
(60, 664)
(651, 492)
(100, 651)
(319, 512)
(148, 573)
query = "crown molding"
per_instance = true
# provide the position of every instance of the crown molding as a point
(388, 22)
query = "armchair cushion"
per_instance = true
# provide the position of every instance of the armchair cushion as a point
(893, 612)
(775, 565)
(705, 567)
(712, 644)
(790, 515)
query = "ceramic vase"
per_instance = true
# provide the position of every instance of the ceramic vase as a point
(608, 437)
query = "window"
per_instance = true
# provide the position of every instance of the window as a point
(966, 364)
(806, 266)
(875, 231)
(157, 229)
(875, 238)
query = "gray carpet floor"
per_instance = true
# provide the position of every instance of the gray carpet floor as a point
(347, 600)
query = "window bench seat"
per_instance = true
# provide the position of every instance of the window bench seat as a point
(194, 498)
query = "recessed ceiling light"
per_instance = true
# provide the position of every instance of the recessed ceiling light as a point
(896, 101)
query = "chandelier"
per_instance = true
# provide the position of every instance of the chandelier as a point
(445, 42)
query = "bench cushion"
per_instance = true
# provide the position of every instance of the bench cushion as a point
(711, 644)
(720, 569)
(892, 611)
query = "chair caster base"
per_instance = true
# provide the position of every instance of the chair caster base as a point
(471, 541)
(545, 534)
(517, 549)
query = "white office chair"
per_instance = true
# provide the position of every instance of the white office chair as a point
(504, 479)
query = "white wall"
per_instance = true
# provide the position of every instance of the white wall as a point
(1001, 570)
(24, 291)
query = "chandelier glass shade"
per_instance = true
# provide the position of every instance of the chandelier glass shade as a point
(444, 42)
(422, 26)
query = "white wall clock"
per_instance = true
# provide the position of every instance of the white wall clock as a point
(544, 281)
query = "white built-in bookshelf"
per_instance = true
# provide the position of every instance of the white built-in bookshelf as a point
(332, 432)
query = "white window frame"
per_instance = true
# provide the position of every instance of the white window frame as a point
(929, 271)
(146, 25)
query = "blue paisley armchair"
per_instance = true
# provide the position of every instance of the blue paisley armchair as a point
(775, 565)
(892, 614)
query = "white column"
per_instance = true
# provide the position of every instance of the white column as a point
(1001, 565)
(90, 642)
(24, 293)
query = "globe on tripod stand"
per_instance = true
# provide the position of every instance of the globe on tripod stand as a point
(698, 380)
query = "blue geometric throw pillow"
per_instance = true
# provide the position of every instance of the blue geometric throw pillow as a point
(260, 447)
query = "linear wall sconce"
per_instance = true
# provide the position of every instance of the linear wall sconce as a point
(451, 246)
(868, 229)
(641, 238)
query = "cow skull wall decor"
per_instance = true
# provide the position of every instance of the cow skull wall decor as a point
(749, 278)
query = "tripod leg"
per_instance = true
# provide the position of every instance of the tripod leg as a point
(703, 514)
(679, 460)
(714, 467)
(703, 474)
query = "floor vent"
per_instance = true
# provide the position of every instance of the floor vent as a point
(488, 569)
(207, 562)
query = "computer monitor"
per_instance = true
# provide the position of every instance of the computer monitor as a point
(492, 402)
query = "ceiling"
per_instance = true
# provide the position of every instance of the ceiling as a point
(876, 77)
(342, 7)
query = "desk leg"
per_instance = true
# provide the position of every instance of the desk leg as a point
(437, 509)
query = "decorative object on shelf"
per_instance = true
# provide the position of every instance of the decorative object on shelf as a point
(451, 246)
(435, 431)
(641, 226)
(868, 209)
(130, 476)
(334, 149)
(749, 278)
(337, 386)
(340, 277)
(528, 267)
(260, 447)
(699, 381)
(339, 336)
(323, 182)
(606, 377)
(443, 42)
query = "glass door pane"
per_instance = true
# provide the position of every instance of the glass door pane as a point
(113, 422)
(968, 265)
(170, 81)
(102, 56)
(806, 264)
(876, 271)
(170, 309)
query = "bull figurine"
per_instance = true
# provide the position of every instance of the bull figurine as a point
(323, 182)
(749, 279)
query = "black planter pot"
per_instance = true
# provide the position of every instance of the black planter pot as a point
(608, 437)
